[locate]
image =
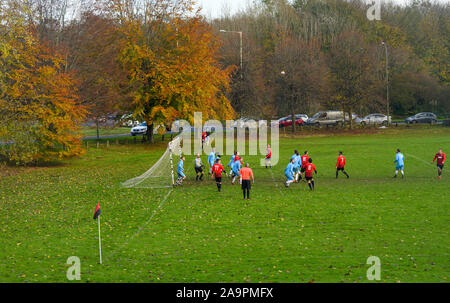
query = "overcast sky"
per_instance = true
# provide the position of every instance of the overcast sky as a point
(215, 8)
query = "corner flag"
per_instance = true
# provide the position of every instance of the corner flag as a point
(98, 211)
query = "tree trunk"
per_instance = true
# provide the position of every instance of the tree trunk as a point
(293, 121)
(350, 112)
(150, 137)
(98, 133)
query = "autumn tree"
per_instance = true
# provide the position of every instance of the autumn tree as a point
(39, 108)
(94, 55)
(171, 63)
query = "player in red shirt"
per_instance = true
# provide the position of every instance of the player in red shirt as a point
(340, 165)
(268, 156)
(440, 157)
(309, 168)
(304, 159)
(217, 170)
(203, 138)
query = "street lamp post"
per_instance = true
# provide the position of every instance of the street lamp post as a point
(387, 81)
(287, 96)
(240, 40)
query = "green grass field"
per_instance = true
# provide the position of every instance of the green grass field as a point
(194, 234)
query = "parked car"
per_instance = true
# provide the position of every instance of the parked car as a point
(373, 119)
(422, 118)
(287, 121)
(331, 117)
(141, 129)
(303, 117)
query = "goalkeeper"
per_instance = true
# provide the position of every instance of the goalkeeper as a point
(198, 166)
(180, 171)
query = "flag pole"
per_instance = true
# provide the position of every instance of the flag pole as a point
(99, 240)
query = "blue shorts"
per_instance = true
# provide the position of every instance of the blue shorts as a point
(399, 167)
(289, 176)
(180, 174)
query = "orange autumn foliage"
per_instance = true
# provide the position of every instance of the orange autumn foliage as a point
(177, 73)
(40, 111)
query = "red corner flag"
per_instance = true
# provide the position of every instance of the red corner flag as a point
(97, 212)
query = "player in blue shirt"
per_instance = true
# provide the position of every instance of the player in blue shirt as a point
(211, 157)
(235, 167)
(180, 171)
(232, 159)
(230, 164)
(217, 158)
(296, 170)
(400, 160)
(289, 172)
(296, 156)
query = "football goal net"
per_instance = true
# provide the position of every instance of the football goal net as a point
(161, 174)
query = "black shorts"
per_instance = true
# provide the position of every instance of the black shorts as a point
(246, 184)
(340, 168)
(440, 166)
(218, 179)
(198, 170)
(308, 178)
(303, 169)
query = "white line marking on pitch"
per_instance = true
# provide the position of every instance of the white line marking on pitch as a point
(417, 158)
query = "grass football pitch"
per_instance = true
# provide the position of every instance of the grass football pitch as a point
(194, 234)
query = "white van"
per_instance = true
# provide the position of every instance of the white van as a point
(331, 117)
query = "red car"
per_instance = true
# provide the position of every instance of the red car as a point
(287, 121)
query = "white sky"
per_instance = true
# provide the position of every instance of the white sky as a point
(215, 8)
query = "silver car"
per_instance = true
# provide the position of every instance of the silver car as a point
(373, 119)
